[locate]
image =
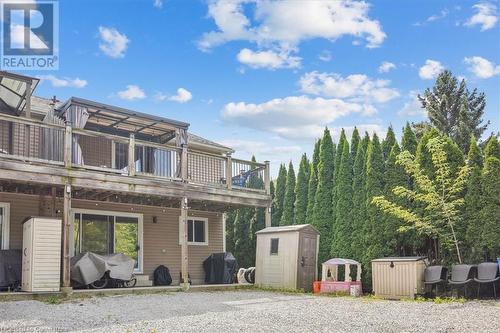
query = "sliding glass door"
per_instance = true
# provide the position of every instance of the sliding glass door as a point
(108, 232)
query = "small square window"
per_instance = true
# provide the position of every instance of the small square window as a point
(274, 245)
(197, 231)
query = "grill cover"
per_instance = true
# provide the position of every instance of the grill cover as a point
(10, 268)
(220, 268)
(89, 267)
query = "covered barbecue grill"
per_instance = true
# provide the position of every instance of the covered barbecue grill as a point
(220, 268)
(10, 269)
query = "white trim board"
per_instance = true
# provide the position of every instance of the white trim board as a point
(5, 225)
(194, 218)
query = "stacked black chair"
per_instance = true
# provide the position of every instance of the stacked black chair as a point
(434, 276)
(487, 272)
(461, 276)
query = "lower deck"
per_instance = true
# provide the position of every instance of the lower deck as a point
(149, 234)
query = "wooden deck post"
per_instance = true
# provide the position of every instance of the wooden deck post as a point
(267, 184)
(184, 244)
(66, 239)
(229, 171)
(184, 162)
(131, 155)
(68, 145)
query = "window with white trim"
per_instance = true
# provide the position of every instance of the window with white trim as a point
(4, 225)
(197, 231)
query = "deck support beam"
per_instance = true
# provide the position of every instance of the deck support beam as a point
(184, 244)
(66, 241)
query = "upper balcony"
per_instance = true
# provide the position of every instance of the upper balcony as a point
(82, 140)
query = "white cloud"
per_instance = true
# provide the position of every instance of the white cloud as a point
(294, 117)
(482, 68)
(132, 92)
(386, 66)
(64, 82)
(158, 4)
(259, 147)
(270, 28)
(182, 96)
(413, 106)
(442, 14)
(159, 96)
(325, 56)
(113, 43)
(268, 59)
(430, 70)
(436, 17)
(485, 16)
(356, 87)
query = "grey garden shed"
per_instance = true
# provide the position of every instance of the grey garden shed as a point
(287, 257)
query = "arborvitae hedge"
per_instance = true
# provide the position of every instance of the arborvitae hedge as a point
(336, 198)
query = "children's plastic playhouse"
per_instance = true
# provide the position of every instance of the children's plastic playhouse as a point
(329, 278)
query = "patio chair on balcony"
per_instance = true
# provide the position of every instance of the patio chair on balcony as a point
(434, 276)
(461, 276)
(487, 272)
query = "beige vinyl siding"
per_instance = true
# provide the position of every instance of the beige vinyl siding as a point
(160, 240)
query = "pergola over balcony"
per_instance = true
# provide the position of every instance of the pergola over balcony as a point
(119, 121)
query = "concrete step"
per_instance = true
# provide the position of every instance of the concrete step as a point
(143, 281)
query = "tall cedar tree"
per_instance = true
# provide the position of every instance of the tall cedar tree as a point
(409, 140)
(287, 217)
(257, 220)
(394, 176)
(279, 195)
(230, 217)
(374, 186)
(454, 110)
(301, 189)
(388, 143)
(337, 153)
(322, 213)
(473, 205)
(355, 139)
(409, 143)
(358, 246)
(242, 242)
(273, 222)
(342, 225)
(492, 148)
(313, 183)
(490, 213)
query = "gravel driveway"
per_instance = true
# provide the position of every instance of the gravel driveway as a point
(246, 311)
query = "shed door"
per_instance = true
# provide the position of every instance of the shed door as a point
(307, 262)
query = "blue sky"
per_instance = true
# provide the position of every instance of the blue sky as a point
(266, 77)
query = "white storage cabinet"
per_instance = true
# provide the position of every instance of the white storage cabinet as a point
(41, 267)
